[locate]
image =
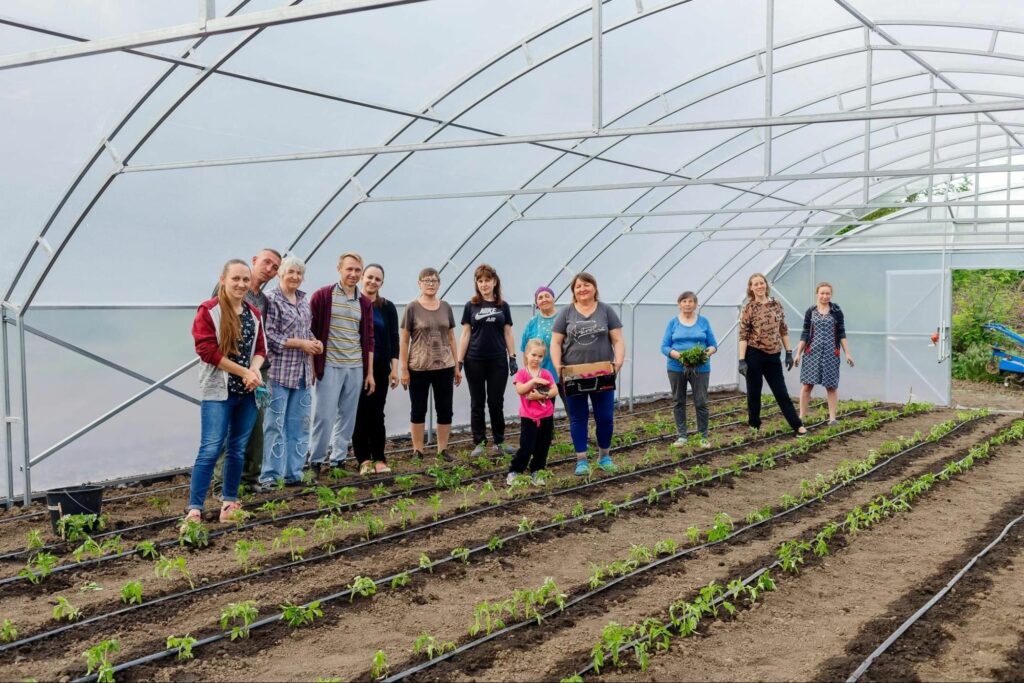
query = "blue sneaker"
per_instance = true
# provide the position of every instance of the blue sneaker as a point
(582, 468)
(606, 464)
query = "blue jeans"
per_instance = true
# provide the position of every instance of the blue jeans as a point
(285, 433)
(226, 424)
(604, 418)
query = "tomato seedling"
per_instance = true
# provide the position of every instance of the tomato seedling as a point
(131, 593)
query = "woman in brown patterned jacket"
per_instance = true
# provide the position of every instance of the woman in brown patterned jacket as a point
(763, 333)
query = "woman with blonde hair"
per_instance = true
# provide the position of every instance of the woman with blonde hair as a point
(763, 334)
(229, 340)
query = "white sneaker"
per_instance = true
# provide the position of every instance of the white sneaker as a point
(680, 442)
(704, 443)
(537, 481)
(504, 449)
(478, 450)
(510, 479)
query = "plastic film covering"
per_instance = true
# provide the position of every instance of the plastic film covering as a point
(131, 175)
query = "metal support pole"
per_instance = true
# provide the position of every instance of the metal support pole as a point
(977, 167)
(8, 432)
(769, 68)
(1009, 184)
(24, 408)
(632, 354)
(595, 45)
(867, 107)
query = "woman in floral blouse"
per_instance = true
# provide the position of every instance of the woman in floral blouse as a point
(763, 333)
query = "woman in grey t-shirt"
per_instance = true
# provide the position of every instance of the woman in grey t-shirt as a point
(588, 331)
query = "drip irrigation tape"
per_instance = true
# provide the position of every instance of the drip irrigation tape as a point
(905, 626)
(187, 470)
(656, 563)
(365, 481)
(512, 537)
(382, 539)
(350, 506)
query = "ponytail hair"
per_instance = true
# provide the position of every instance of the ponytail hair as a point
(230, 323)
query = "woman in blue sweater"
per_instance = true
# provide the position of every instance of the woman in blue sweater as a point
(686, 331)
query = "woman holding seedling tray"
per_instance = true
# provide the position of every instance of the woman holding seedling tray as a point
(588, 350)
(689, 344)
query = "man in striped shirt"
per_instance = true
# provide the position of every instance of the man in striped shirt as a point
(342, 319)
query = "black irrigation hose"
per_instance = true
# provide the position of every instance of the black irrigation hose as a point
(187, 470)
(866, 664)
(355, 504)
(657, 563)
(415, 570)
(368, 481)
(388, 537)
(559, 492)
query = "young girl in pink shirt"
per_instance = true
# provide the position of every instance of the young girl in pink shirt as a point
(537, 389)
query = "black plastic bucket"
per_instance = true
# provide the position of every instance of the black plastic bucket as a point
(74, 500)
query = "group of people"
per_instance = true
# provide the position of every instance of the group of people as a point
(289, 380)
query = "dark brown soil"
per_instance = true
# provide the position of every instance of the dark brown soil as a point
(442, 603)
(966, 636)
(796, 632)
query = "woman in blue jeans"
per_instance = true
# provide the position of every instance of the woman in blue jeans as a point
(229, 340)
(588, 331)
(291, 346)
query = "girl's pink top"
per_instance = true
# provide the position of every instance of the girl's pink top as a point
(528, 408)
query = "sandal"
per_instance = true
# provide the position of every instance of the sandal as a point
(365, 468)
(381, 467)
(229, 510)
(191, 516)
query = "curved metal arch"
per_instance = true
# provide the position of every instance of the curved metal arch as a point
(65, 240)
(785, 216)
(991, 154)
(473, 73)
(603, 228)
(740, 191)
(555, 54)
(725, 161)
(88, 165)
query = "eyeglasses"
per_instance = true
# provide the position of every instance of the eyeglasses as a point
(430, 281)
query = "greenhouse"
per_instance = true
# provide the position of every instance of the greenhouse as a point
(652, 161)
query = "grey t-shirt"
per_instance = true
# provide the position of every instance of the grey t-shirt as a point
(586, 338)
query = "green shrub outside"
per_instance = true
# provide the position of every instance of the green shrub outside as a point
(981, 296)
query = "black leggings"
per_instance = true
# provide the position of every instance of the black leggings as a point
(763, 367)
(487, 379)
(420, 383)
(534, 442)
(370, 435)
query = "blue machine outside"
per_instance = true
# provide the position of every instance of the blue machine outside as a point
(1004, 363)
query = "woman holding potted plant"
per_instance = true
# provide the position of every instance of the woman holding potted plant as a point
(689, 343)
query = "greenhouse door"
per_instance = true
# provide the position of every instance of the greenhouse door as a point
(913, 364)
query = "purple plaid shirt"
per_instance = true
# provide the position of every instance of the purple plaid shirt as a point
(285, 321)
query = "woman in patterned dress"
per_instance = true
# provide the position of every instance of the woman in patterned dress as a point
(823, 334)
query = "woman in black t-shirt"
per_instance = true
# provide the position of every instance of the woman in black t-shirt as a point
(487, 351)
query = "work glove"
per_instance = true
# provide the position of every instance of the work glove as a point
(513, 367)
(743, 367)
(789, 360)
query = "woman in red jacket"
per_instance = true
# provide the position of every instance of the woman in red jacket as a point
(229, 339)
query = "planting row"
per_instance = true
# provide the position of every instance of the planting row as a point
(451, 567)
